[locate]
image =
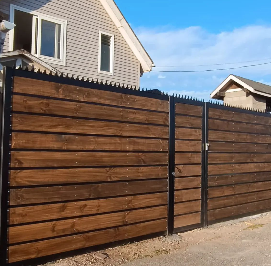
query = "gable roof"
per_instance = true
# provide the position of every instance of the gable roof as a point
(128, 34)
(252, 86)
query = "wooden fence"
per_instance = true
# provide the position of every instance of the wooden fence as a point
(85, 164)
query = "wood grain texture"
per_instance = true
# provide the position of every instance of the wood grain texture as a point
(186, 220)
(36, 177)
(80, 241)
(187, 207)
(215, 192)
(67, 159)
(187, 158)
(184, 145)
(81, 192)
(238, 179)
(40, 213)
(187, 195)
(83, 110)
(185, 183)
(187, 170)
(188, 121)
(33, 141)
(259, 206)
(233, 200)
(187, 109)
(238, 158)
(69, 92)
(88, 127)
(188, 134)
(37, 231)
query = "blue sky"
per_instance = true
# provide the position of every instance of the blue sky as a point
(189, 34)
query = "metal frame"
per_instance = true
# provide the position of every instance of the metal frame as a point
(5, 161)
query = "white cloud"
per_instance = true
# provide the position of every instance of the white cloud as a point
(190, 47)
(161, 77)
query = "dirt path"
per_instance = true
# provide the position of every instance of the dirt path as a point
(241, 242)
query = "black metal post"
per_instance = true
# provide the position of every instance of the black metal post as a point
(5, 161)
(171, 165)
(205, 148)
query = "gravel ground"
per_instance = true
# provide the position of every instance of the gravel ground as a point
(243, 242)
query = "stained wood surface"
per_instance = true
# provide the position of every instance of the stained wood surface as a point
(80, 126)
(238, 179)
(83, 110)
(68, 159)
(40, 213)
(238, 158)
(187, 207)
(184, 145)
(259, 206)
(187, 158)
(35, 177)
(80, 192)
(80, 241)
(187, 170)
(188, 133)
(69, 92)
(37, 231)
(187, 195)
(34, 141)
(187, 109)
(185, 183)
(186, 220)
(188, 121)
(233, 200)
(214, 192)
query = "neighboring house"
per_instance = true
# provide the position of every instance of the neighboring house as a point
(241, 92)
(89, 38)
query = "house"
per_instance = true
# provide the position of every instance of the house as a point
(241, 92)
(89, 38)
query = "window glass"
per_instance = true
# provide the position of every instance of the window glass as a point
(105, 53)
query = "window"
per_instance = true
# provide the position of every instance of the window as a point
(40, 35)
(106, 53)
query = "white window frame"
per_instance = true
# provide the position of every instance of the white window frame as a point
(112, 49)
(38, 17)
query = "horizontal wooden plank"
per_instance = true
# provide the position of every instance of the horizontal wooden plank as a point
(189, 182)
(69, 92)
(37, 231)
(233, 200)
(184, 145)
(81, 192)
(83, 110)
(238, 116)
(188, 133)
(238, 127)
(187, 207)
(238, 137)
(36, 177)
(187, 195)
(80, 241)
(34, 141)
(238, 158)
(186, 220)
(188, 121)
(215, 192)
(187, 109)
(40, 213)
(239, 147)
(68, 159)
(80, 126)
(187, 170)
(187, 158)
(238, 168)
(239, 210)
(238, 179)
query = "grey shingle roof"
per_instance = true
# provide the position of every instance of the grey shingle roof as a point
(257, 86)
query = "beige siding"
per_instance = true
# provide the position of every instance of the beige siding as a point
(85, 19)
